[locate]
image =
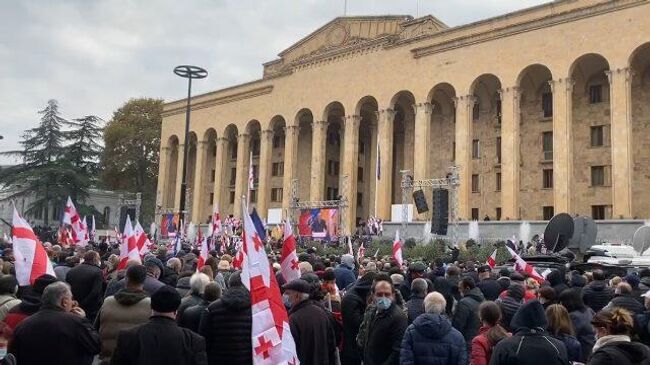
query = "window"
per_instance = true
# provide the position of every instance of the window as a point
(233, 175)
(498, 181)
(278, 142)
(474, 214)
(277, 169)
(213, 175)
(547, 179)
(332, 193)
(597, 175)
(256, 175)
(498, 149)
(211, 198)
(597, 136)
(107, 216)
(475, 185)
(233, 151)
(547, 104)
(232, 197)
(214, 151)
(336, 168)
(453, 151)
(359, 199)
(333, 168)
(276, 194)
(255, 147)
(253, 194)
(498, 214)
(595, 94)
(360, 174)
(547, 145)
(476, 149)
(362, 147)
(498, 111)
(598, 212)
(548, 212)
(475, 112)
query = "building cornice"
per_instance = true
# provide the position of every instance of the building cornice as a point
(223, 99)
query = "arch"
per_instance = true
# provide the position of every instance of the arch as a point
(303, 114)
(485, 88)
(334, 107)
(639, 64)
(441, 97)
(402, 96)
(276, 122)
(231, 131)
(209, 134)
(172, 141)
(588, 62)
(253, 126)
(534, 74)
(444, 88)
(364, 102)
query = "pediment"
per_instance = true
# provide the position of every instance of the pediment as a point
(423, 26)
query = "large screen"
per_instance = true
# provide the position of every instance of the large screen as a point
(169, 225)
(319, 223)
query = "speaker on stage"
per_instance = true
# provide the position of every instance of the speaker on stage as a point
(440, 216)
(420, 201)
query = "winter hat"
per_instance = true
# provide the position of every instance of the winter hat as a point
(348, 260)
(516, 292)
(298, 285)
(165, 300)
(531, 315)
(632, 279)
(42, 282)
(577, 281)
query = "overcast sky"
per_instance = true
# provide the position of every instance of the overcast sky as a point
(94, 55)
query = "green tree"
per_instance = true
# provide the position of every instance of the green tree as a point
(44, 170)
(84, 151)
(131, 151)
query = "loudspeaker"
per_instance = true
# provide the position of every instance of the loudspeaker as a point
(420, 201)
(440, 216)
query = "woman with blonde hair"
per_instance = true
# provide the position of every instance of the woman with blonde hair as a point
(560, 327)
(614, 346)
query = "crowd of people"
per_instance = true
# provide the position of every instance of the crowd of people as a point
(341, 311)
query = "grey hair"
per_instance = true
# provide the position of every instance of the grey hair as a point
(175, 264)
(198, 281)
(435, 303)
(419, 286)
(54, 292)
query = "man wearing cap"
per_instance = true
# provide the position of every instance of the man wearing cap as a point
(310, 325)
(160, 341)
(488, 285)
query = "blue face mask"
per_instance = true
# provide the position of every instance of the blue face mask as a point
(383, 303)
(286, 301)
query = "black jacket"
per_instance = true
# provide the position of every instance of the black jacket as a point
(313, 333)
(226, 326)
(557, 282)
(169, 277)
(353, 306)
(414, 307)
(597, 294)
(159, 342)
(531, 344)
(87, 284)
(642, 327)
(191, 318)
(187, 302)
(384, 337)
(621, 353)
(466, 318)
(627, 302)
(510, 304)
(585, 334)
(490, 288)
(52, 336)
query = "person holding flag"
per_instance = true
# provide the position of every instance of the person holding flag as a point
(289, 258)
(128, 246)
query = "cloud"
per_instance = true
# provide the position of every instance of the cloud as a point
(94, 55)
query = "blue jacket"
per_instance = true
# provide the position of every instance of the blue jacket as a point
(344, 276)
(431, 340)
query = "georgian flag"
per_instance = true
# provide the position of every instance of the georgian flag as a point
(93, 230)
(71, 217)
(289, 258)
(350, 250)
(361, 252)
(271, 338)
(215, 226)
(128, 246)
(141, 239)
(31, 258)
(203, 257)
(492, 260)
(524, 267)
(397, 250)
(84, 233)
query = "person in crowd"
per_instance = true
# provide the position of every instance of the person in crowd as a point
(465, 317)
(129, 307)
(397, 279)
(489, 335)
(623, 299)
(345, 272)
(160, 341)
(487, 284)
(353, 307)
(642, 321)
(556, 281)
(546, 295)
(453, 278)
(223, 268)
(380, 334)
(581, 317)
(171, 271)
(430, 339)
(504, 279)
(310, 325)
(226, 326)
(58, 334)
(577, 281)
(560, 327)
(87, 283)
(198, 281)
(614, 345)
(415, 270)
(415, 305)
(30, 301)
(518, 279)
(191, 318)
(633, 280)
(510, 304)
(596, 295)
(530, 343)
(8, 290)
(61, 270)
(151, 283)
(613, 282)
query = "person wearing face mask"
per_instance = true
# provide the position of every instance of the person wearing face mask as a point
(58, 333)
(310, 325)
(382, 330)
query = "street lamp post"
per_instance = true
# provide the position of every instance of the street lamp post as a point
(188, 72)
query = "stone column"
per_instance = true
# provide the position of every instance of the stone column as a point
(318, 160)
(266, 143)
(350, 167)
(510, 111)
(464, 106)
(620, 86)
(421, 142)
(220, 174)
(372, 174)
(385, 119)
(241, 180)
(291, 133)
(198, 192)
(163, 177)
(562, 90)
(179, 178)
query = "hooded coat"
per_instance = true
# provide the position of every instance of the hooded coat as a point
(87, 284)
(466, 318)
(531, 344)
(431, 340)
(621, 353)
(597, 295)
(344, 274)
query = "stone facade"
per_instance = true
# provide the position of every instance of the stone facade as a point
(546, 109)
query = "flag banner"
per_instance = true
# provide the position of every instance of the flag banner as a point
(397, 250)
(289, 257)
(31, 260)
(128, 246)
(319, 223)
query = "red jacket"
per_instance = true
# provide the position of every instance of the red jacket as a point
(481, 348)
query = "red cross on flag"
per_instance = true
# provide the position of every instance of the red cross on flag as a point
(397, 250)
(523, 267)
(71, 217)
(141, 239)
(492, 260)
(31, 258)
(203, 257)
(83, 233)
(289, 258)
(271, 336)
(128, 246)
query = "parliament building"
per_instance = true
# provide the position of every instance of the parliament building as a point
(543, 110)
